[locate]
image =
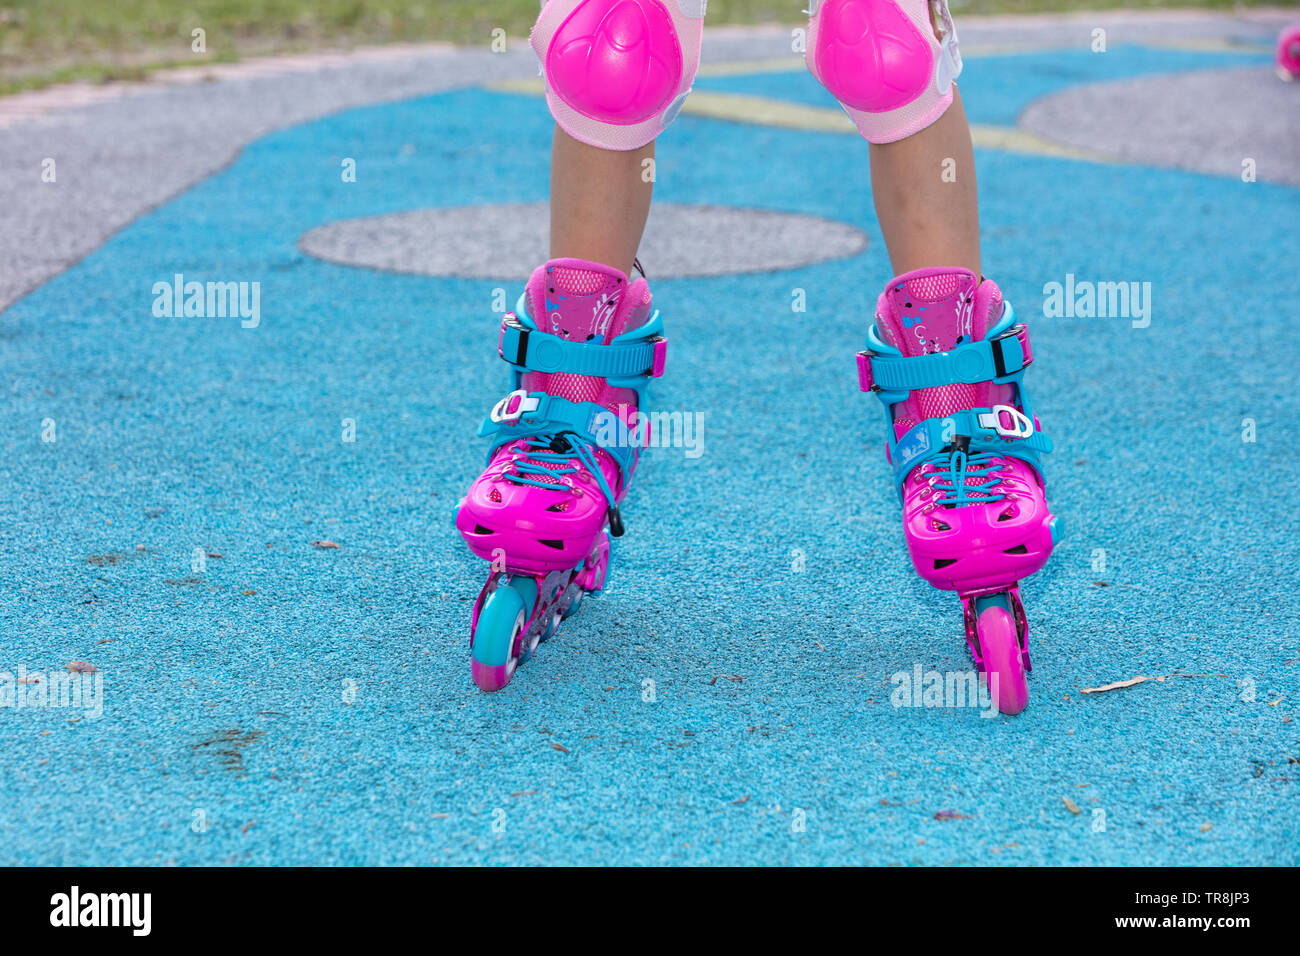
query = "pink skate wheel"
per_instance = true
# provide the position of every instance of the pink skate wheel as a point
(1288, 52)
(1003, 665)
(490, 677)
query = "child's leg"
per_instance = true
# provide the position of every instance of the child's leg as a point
(891, 64)
(617, 72)
(929, 219)
(585, 342)
(944, 354)
(599, 201)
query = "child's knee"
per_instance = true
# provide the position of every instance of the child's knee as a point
(618, 71)
(890, 63)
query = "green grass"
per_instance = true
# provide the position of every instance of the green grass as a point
(51, 41)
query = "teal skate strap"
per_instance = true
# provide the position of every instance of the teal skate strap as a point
(533, 351)
(999, 359)
(1000, 430)
(523, 414)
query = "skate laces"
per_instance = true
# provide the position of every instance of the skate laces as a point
(952, 485)
(542, 453)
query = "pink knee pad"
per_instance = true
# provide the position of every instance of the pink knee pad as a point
(618, 71)
(881, 60)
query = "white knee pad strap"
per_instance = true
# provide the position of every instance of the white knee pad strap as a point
(618, 71)
(881, 60)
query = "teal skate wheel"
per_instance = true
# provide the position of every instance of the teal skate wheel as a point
(495, 652)
(576, 603)
(551, 627)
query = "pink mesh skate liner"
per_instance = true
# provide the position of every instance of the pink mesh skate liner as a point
(576, 299)
(937, 285)
(578, 281)
(573, 299)
(552, 466)
(520, 448)
(935, 310)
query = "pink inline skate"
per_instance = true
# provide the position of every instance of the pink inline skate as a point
(582, 347)
(1288, 52)
(946, 357)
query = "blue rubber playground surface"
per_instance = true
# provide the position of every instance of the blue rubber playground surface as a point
(728, 701)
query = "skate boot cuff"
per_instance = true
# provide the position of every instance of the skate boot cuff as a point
(526, 349)
(629, 361)
(995, 359)
(1001, 429)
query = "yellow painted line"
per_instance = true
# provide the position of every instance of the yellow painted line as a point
(969, 51)
(532, 86)
(1011, 139)
(795, 63)
(763, 111)
(975, 51)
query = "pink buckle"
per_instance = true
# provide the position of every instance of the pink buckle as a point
(660, 357)
(501, 339)
(1023, 335)
(866, 381)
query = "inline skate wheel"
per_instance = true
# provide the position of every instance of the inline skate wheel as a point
(576, 603)
(1288, 53)
(1003, 662)
(495, 653)
(551, 627)
(596, 569)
